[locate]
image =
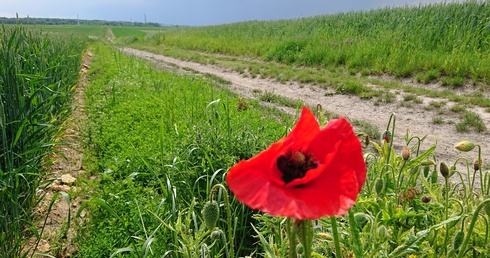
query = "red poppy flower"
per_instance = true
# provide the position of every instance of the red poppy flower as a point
(308, 174)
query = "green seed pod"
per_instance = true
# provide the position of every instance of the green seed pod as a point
(465, 146)
(426, 171)
(458, 239)
(379, 186)
(210, 214)
(444, 169)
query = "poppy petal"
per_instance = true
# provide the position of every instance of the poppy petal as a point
(329, 189)
(304, 131)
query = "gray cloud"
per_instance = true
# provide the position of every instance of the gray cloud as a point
(191, 12)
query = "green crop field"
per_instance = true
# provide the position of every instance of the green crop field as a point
(162, 151)
(38, 73)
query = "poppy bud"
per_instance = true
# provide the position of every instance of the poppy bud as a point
(444, 169)
(361, 219)
(476, 165)
(406, 153)
(210, 214)
(465, 146)
(215, 235)
(387, 136)
(458, 239)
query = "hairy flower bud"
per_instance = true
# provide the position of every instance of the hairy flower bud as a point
(215, 235)
(361, 219)
(387, 136)
(476, 165)
(458, 239)
(210, 214)
(406, 153)
(465, 146)
(444, 169)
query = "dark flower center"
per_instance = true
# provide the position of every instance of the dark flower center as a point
(294, 165)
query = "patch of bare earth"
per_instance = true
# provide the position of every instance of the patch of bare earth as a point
(417, 120)
(57, 238)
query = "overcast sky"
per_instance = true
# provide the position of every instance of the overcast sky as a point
(190, 12)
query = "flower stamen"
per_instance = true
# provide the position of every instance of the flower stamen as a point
(294, 165)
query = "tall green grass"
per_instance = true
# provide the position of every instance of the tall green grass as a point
(450, 40)
(159, 141)
(37, 75)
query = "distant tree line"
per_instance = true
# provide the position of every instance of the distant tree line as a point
(58, 21)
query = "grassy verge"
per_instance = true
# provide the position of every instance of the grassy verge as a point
(159, 141)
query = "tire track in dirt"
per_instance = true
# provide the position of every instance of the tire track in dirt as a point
(416, 119)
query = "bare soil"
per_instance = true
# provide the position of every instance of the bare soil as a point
(416, 120)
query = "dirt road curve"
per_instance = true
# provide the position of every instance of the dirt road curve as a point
(416, 119)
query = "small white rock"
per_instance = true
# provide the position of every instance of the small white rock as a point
(67, 179)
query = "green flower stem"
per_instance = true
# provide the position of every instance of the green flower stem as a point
(393, 116)
(400, 175)
(336, 240)
(228, 213)
(470, 228)
(305, 234)
(480, 166)
(356, 242)
(291, 231)
(446, 211)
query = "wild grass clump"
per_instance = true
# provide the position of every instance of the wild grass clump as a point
(38, 73)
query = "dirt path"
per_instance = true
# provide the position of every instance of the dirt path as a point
(416, 119)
